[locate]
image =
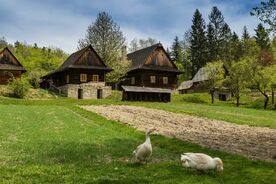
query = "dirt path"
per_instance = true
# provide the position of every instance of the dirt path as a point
(253, 142)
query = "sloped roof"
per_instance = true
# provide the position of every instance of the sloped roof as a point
(200, 76)
(9, 65)
(139, 57)
(145, 89)
(73, 58)
(185, 85)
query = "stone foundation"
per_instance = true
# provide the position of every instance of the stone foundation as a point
(90, 90)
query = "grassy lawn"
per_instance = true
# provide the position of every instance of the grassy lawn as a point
(195, 104)
(46, 143)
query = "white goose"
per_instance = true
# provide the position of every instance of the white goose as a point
(201, 162)
(144, 151)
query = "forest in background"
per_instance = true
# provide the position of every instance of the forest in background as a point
(248, 60)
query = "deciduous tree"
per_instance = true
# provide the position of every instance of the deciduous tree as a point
(215, 76)
(107, 39)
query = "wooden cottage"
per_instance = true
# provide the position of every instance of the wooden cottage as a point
(81, 76)
(9, 66)
(152, 75)
(196, 86)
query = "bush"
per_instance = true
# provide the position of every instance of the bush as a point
(34, 79)
(19, 87)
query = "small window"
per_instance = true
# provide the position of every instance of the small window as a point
(67, 79)
(95, 78)
(83, 77)
(152, 79)
(165, 80)
(132, 80)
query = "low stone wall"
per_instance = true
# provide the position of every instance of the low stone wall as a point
(89, 90)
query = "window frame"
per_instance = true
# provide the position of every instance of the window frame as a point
(95, 76)
(67, 78)
(152, 79)
(83, 77)
(165, 80)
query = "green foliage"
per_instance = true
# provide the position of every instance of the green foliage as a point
(34, 78)
(262, 37)
(177, 53)
(19, 87)
(245, 34)
(39, 59)
(198, 43)
(239, 78)
(266, 13)
(107, 39)
(215, 76)
(119, 70)
(262, 80)
(218, 35)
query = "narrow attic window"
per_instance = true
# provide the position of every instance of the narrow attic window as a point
(165, 80)
(67, 79)
(152, 79)
(83, 77)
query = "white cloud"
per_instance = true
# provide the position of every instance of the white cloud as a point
(63, 24)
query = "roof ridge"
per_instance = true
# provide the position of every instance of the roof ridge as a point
(154, 45)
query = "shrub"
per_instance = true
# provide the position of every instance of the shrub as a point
(34, 79)
(19, 87)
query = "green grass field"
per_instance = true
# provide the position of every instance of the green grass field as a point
(194, 104)
(46, 143)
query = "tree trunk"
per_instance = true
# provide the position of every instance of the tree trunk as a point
(266, 100)
(212, 95)
(266, 97)
(272, 96)
(238, 101)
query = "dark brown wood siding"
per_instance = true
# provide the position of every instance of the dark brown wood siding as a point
(6, 76)
(74, 76)
(142, 78)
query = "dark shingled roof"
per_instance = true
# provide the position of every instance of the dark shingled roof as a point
(9, 65)
(70, 62)
(139, 57)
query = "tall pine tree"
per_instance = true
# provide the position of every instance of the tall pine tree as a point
(262, 37)
(177, 51)
(246, 42)
(225, 44)
(198, 42)
(245, 34)
(218, 34)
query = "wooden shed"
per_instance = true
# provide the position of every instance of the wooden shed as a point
(9, 66)
(82, 75)
(196, 86)
(152, 76)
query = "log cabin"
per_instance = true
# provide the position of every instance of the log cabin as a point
(152, 75)
(81, 76)
(9, 67)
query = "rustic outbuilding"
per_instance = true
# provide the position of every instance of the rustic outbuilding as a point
(152, 76)
(81, 76)
(195, 86)
(9, 66)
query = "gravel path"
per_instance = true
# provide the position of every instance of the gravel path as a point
(253, 142)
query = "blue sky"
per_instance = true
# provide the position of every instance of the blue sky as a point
(61, 23)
